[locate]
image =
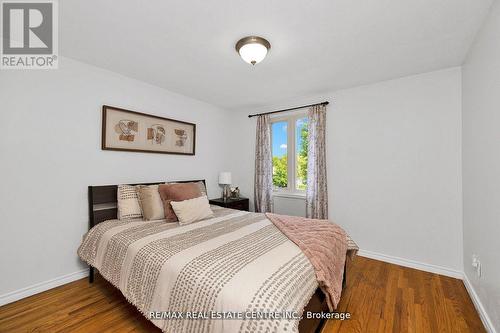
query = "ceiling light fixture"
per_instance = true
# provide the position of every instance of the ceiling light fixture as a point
(252, 49)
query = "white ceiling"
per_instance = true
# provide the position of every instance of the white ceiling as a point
(187, 46)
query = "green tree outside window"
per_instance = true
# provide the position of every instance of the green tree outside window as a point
(302, 157)
(280, 174)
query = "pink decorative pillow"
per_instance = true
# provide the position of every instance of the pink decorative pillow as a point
(177, 192)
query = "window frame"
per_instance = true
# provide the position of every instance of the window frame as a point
(291, 122)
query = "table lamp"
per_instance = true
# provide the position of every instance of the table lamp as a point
(225, 180)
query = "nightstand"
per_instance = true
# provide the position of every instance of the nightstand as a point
(240, 203)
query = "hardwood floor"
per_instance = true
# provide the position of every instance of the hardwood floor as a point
(381, 297)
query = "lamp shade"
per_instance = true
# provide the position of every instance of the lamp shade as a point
(253, 53)
(225, 178)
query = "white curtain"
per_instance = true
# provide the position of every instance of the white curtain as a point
(316, 193)
(263, 183)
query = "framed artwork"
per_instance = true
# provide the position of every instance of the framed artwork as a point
(127, 130)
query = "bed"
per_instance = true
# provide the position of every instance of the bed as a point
(215, 275)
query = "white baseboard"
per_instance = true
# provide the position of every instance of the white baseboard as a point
(412, 264)
(42, 286)
(488, 324)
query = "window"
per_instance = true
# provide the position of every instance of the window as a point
(289, 148)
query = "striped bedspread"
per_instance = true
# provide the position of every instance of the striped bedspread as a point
(234, 272)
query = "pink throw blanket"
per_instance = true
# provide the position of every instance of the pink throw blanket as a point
(325, 245)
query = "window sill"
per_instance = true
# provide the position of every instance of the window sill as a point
(293, 195)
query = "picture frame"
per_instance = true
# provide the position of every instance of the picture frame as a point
(132, 131)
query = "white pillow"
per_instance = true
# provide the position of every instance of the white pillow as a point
(150, 202)
(189, 211)
(128, 203)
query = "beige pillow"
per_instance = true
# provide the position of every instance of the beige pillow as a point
(128, 203)
(150, 201)
(191, 210)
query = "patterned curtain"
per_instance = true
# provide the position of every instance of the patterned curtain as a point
(316, 192)
(263, 187)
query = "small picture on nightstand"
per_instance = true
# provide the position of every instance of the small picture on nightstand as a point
(234, 193)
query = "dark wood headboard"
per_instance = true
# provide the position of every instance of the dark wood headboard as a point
(103, 200)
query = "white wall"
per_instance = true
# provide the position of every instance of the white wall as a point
(289, 205)
(242, 146)
(394, 165)
(50, 152)
(481, 163)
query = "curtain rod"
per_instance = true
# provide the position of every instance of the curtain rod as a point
(290, 109)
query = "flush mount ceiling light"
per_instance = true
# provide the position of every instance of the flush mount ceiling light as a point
(253, 49)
